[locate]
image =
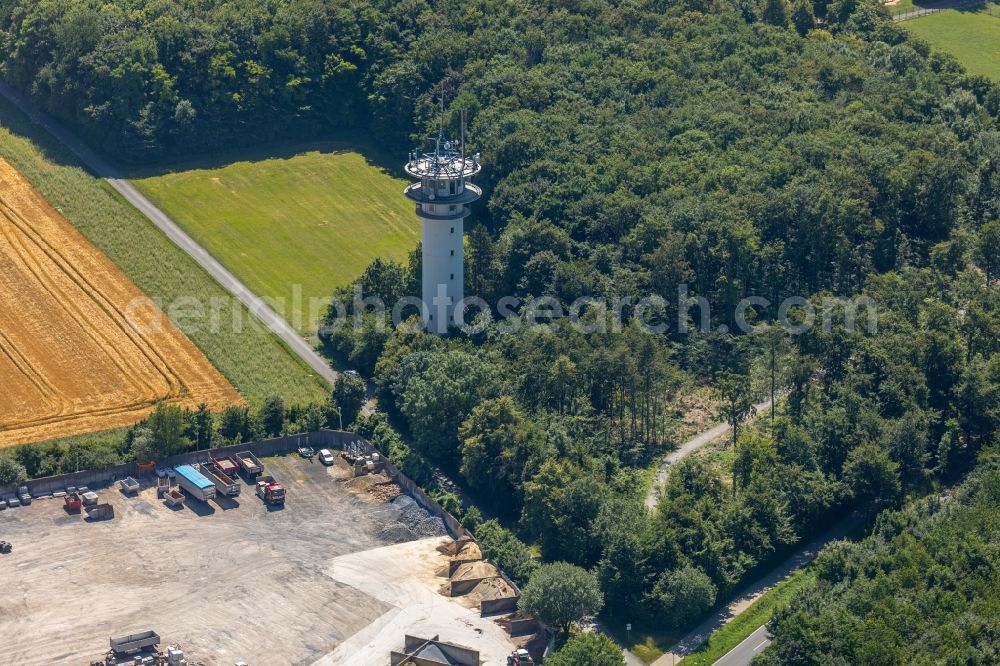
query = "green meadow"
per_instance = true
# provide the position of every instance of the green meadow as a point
(971, 36)
(293, 227)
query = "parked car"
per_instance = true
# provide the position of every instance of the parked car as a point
(306, 451)
(325, 456)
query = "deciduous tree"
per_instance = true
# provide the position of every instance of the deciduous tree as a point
(560, 594)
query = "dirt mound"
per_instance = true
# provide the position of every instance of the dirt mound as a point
(376, 487)
(82, 348)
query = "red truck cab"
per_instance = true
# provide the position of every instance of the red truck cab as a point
(270, 490)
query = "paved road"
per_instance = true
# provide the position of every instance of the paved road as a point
(686, 449)
(743, 654)
(275, 322)
(805, 554)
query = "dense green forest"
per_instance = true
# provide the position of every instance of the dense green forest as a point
(923, 588)
(736, 147)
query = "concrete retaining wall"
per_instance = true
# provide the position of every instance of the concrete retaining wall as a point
(502, 605)
(521, 626)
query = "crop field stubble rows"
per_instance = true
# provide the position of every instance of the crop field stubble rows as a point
(75, 355)
(254, 361)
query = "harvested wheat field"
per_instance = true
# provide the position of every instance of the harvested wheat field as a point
(81, 347)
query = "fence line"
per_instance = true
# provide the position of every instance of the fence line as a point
(917, 12)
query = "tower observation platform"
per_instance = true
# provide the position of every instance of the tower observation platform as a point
(442, 195)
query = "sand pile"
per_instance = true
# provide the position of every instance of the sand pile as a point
(489, 589)
(472, 570)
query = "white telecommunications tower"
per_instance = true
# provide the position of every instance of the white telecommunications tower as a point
(442, 196)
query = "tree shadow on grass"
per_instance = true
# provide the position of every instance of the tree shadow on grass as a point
(971, 6)
(338, 143)
(28, 123)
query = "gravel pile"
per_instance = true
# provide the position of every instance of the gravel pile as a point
(413, 522)
(396, 533)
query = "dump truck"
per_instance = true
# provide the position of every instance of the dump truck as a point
(223, 484)
(228, 466)
(249, 463)
(73, 501)
(133, 643)
(194, 483)
(100, 511)
(270, 490)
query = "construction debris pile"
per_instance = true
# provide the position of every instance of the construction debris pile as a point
(370, 480)
(375, 487)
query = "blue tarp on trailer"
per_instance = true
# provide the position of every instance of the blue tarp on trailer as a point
(194, 477)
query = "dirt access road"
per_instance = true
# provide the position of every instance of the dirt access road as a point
(686, 449)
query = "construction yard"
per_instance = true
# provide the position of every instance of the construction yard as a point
(337, 575)
(82, 348)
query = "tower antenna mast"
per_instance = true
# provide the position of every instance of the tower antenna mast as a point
(442, 194)
(441, 117)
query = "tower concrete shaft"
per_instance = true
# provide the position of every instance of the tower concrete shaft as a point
(442, 196)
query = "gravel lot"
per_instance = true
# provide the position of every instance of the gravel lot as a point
(228, 581)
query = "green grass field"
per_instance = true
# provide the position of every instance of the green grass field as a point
(972, 37)
(254, 361)
(293, 228)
